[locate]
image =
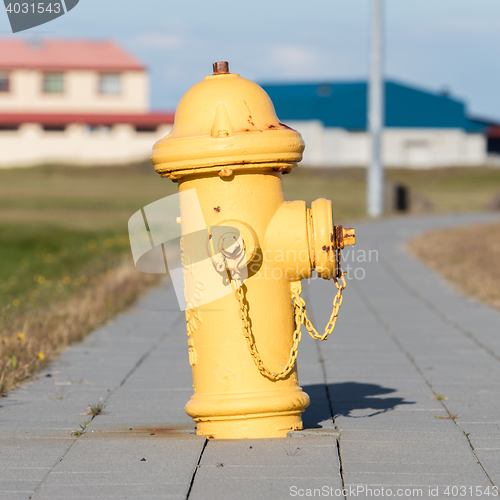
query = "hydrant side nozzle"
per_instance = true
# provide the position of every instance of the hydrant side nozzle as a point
(349, 236)
(322, 249)
(326, 239)
(344, 236)
(287, 241)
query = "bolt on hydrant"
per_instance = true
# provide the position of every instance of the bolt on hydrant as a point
(228, 145)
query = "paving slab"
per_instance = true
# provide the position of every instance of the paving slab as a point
(404, 337)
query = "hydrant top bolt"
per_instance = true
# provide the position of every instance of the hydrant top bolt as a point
(221, 68)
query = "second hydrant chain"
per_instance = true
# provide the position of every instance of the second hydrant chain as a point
(301, 318)
(247, 332)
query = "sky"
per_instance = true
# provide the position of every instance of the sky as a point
(431, 44)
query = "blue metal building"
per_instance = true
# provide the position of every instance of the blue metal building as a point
(423, 129)
(344, 104)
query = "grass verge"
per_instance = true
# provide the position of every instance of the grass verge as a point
(466, 256)
(34, 336)
(65, 264)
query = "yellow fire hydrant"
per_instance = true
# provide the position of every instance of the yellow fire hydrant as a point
(229, 146)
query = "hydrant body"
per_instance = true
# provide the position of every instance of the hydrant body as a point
(228, 145)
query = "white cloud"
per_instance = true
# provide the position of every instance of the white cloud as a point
(159, 41)
(293, 58)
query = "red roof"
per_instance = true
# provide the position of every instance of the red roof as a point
(65, 54)
(142, 119)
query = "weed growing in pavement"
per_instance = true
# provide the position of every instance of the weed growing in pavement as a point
(83, 426)
(97, 409)
(93, 411)
(59, 391)
(439, 397)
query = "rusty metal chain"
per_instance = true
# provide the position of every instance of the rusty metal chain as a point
(300, 315)
(300, 308)
(247, 332)
(301, 318)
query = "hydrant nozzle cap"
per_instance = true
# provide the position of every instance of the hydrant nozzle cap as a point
(226, 120)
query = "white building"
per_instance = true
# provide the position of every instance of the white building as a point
(74, 102)
(87, 102)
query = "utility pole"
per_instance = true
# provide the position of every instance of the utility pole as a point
(375, 177)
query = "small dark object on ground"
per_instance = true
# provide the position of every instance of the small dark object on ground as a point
(399, 198)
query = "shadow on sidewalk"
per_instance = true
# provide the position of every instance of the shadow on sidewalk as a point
(346, 398)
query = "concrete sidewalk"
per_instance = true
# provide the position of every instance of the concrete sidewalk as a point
(403, 336)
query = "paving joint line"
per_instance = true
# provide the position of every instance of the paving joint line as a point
(198, 465)
(400, 346)
(321, 359)
(59, 460)
(330, 406)
(145, 356)
(466, 333)
(132, 371)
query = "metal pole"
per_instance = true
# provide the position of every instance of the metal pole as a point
(375, 180)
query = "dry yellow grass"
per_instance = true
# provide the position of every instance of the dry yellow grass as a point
(31, 340)
(468, 257)
(95, 204)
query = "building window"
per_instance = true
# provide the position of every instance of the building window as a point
(146, 128)
(110, 84)
(54, 128)
(4, 81)
(53, 83)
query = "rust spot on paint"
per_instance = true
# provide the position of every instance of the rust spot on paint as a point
(145, 432)
(217, 209)
(271, 126)
(325, 248)
(250, 119)
(331, 237)
(210, 236)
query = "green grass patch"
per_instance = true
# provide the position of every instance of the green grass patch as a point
(460, 189)
(40, 262)
(65, 260)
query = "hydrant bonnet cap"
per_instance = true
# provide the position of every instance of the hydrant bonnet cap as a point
(226, 120)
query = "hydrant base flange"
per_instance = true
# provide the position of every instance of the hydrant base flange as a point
(254, 427)
(245, 416)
